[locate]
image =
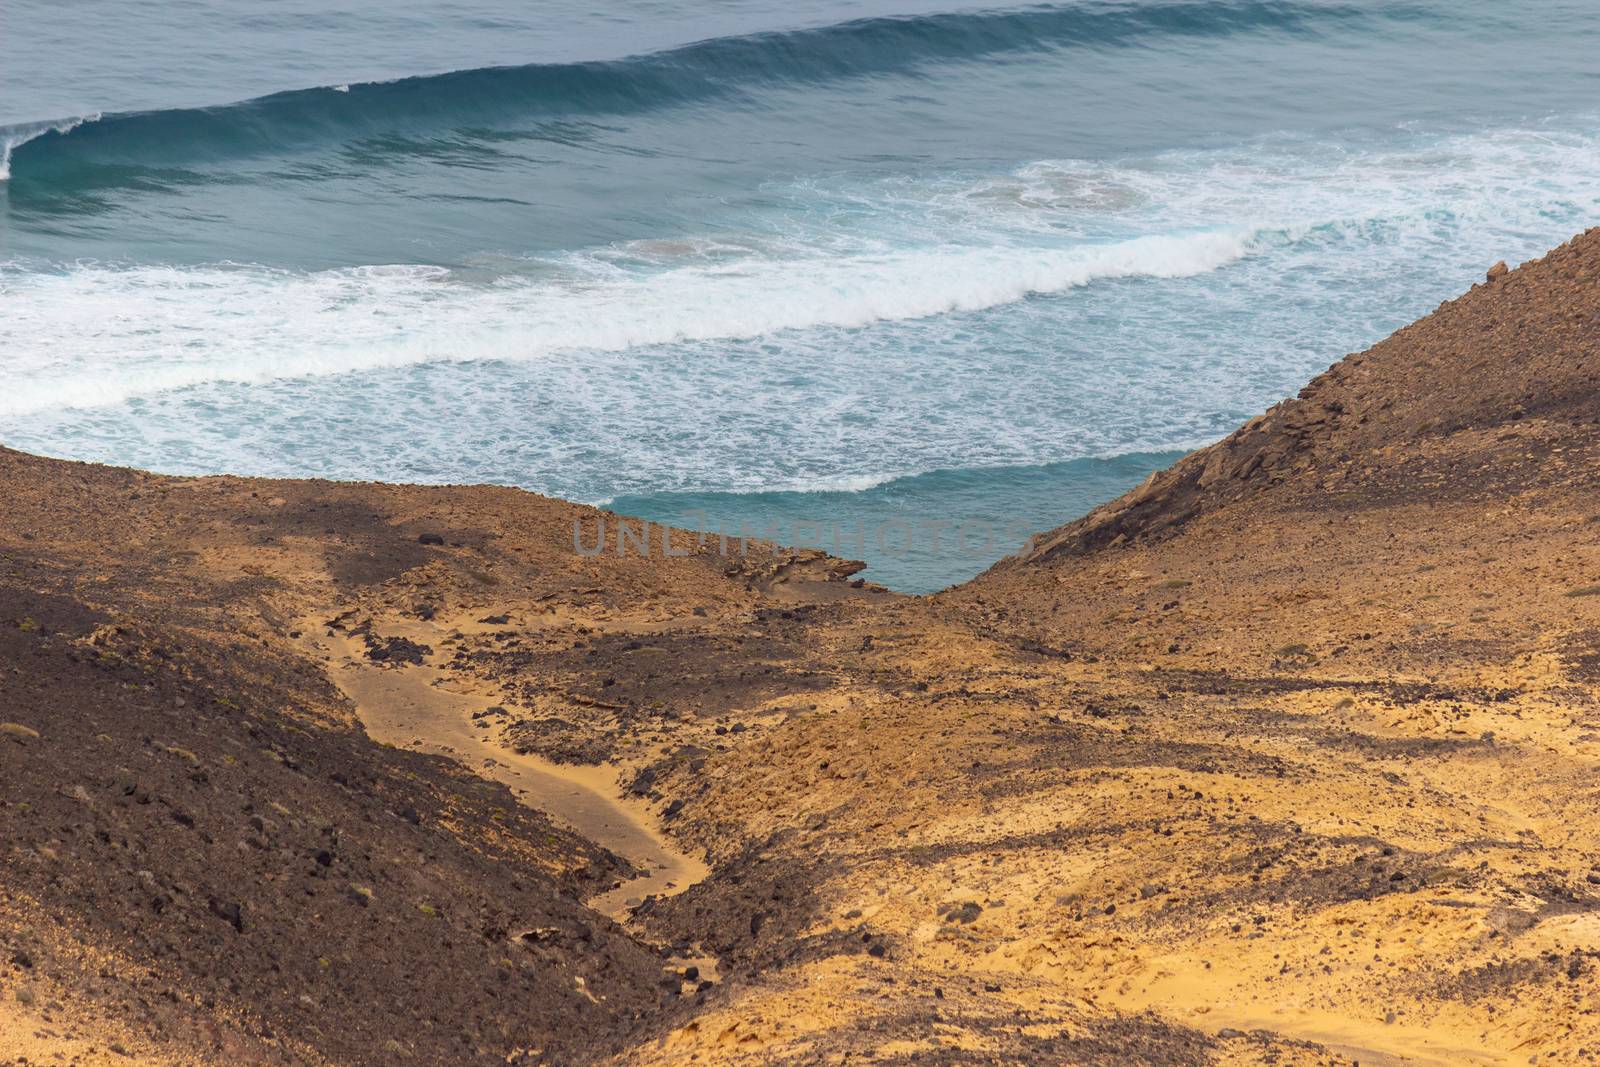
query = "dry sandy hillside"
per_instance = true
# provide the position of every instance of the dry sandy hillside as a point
(1292, 756)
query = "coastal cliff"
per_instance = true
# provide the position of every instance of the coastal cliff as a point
(1290, 756)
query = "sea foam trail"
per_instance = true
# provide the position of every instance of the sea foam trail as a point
(719, 67)
(95, 336)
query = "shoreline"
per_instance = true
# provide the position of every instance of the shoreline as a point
(927, 539)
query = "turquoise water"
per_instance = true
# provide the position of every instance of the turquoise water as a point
(774, 263)
(916, 531)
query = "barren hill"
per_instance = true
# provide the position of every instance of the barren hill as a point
(1290, 756)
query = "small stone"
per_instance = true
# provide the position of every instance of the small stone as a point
(966, 913)
(430, 539)
(229, 912)
(25, 995)
(1498, 270)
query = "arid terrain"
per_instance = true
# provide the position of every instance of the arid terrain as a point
(1291, 756)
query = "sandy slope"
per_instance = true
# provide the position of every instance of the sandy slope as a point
(1289, 757)
(410, 705)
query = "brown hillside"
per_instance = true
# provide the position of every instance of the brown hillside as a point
(1290, 757)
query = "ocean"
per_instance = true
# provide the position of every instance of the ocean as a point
(907, 281)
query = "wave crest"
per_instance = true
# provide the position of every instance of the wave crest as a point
(14, 137)
(716, 68)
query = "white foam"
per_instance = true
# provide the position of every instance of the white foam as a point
(1313, 229)
(1498, 177)
(95, 335)
(843, 483)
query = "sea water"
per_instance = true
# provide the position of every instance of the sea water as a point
(884, 278)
